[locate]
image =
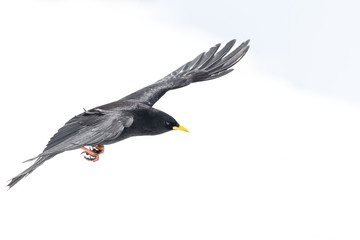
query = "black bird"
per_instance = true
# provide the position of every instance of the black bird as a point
(134, 115)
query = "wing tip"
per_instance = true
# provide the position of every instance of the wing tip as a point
(233, 41)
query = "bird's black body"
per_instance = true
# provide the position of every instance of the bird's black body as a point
(134, 115)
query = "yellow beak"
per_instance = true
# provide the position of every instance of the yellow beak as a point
(181, 128)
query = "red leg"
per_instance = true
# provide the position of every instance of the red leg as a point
(92, 153)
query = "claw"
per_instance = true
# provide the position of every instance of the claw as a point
(98, 149)
(92, 154)
(90, 157)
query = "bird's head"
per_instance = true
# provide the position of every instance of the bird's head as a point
(161, 122)
(174, 126)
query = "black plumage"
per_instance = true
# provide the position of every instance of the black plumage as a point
(134, 115)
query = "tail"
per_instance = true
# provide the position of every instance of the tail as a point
(40, 160)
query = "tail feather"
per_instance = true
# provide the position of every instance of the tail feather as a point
(37, 163)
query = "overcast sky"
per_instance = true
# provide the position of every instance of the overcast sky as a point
(272, 151)
(312, 44)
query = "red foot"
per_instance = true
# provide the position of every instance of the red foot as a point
(101, 148)
(93, 155)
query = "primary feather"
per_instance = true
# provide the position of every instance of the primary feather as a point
(206, 66)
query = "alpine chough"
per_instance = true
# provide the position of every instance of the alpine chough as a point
(134, 114)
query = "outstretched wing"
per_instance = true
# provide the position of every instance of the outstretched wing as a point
(90, 128)
(87, 129)
(208, 65)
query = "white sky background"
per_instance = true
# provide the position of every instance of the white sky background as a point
(273, 149)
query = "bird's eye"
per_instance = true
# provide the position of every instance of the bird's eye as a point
(167, 123)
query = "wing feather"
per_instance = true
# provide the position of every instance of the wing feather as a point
(89, 129)
(206, 66)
